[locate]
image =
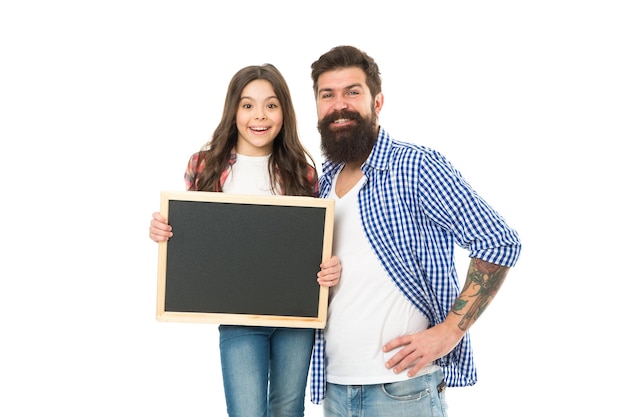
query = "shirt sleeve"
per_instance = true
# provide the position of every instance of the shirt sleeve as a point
(192, 172)
(313, 180)
(452, 203)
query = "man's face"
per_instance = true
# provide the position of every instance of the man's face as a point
(347, 115)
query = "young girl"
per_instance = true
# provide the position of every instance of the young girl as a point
(255, 149)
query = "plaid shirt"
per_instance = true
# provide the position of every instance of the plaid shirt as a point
(415, 206)
(191, 173)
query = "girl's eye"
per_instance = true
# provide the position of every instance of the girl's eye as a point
(272, 106)
(247, 106)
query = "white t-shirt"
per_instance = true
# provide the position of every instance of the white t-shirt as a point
(249, 175)
(366, 309)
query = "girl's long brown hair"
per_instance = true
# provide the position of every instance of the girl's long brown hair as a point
(290, 161)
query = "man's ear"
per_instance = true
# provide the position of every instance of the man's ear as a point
(378, 103)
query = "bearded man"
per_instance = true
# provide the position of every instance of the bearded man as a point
(397, 328)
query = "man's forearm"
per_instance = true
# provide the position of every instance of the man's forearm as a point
(481, 286)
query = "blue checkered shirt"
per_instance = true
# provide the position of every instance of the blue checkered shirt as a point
(415, 207)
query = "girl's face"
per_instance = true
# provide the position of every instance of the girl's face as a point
(259, 119)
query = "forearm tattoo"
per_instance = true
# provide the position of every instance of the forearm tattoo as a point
(483, 282)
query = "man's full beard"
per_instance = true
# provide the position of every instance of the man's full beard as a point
(351, 143)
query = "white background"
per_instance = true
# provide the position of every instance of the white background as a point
(103, 102)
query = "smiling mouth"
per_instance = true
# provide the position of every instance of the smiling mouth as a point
(259, 129)
(340, 121)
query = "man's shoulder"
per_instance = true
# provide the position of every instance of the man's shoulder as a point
(396, 145)
(408, 151)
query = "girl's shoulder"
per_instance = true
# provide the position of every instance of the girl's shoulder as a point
(196, 163)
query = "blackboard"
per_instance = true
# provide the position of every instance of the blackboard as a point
(243, 259)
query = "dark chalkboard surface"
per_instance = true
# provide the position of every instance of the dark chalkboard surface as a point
(247, 260)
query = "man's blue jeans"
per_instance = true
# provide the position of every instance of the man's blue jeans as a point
(265, 370)
(422, 396)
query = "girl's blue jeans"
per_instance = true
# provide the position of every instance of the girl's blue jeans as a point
(265, 370)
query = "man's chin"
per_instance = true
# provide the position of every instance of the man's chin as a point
(341, 133)
(340, 130)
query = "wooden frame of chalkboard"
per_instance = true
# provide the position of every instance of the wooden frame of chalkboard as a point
(243, 259)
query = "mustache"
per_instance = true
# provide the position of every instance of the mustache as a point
(340, 114)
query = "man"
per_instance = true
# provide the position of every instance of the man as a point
(397, 323)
